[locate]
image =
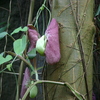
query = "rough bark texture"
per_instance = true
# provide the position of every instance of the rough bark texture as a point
(75, 18)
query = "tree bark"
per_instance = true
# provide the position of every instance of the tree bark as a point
(75, 18)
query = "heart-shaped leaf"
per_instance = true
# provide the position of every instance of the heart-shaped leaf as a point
(20, 45)
(6, 59)
(20, 29)
(3, 34)
(2, 29)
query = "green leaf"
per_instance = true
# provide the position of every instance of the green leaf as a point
(76, 93)
(32, 53)
(24, 41)
(24, 29)
(19, 45)
(3, 29)
(16, 30)
(9, 67)
(2, 23)
(20, 29)
(6, 59)
(3, 34)
(98, 11)
(1, 54)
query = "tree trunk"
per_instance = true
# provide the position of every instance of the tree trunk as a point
(75, 18)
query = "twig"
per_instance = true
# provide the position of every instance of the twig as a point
(76, 93)
(4, 9)
(20, 57)
(81, 47)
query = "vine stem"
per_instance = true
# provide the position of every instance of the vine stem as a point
(31, 11)
(24, 54)
(20, 57)
(80, 44)
(35, 68)
(39, 12)
(5, 42)
(76, 93)
(3, 70)
(38, 82)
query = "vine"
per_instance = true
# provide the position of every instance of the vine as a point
(20, 51)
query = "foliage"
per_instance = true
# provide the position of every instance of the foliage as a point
(5, 59)
(3, 34)
(97, 15)
(19, 29)
(96, 53)
(19, 50)
(19, 45)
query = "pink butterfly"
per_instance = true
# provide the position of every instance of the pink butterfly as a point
(26, 81)
(33, 37)
(52, 50)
